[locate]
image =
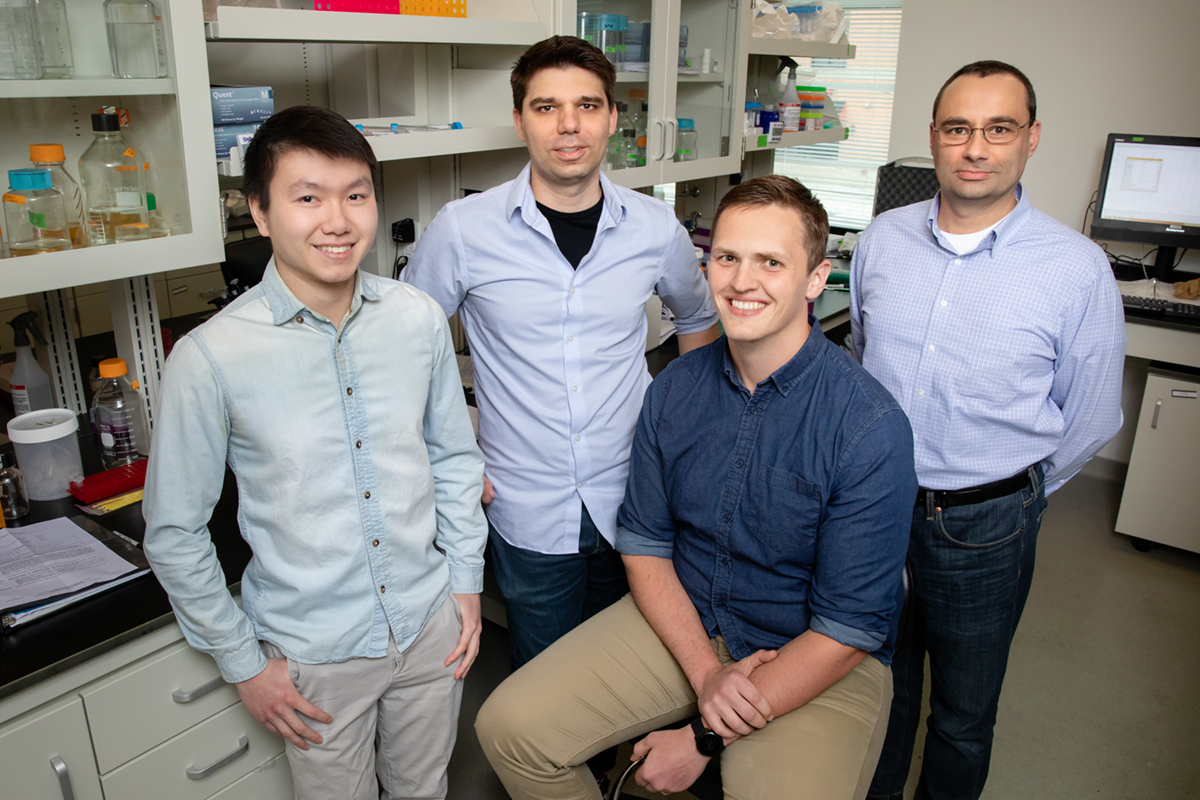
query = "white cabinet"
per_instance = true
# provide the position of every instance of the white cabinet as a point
(48, 756)
(169, 120)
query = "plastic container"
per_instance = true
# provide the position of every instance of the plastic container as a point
(54, 39)
(47, 448)
(806, 19)
(789, 116)
(113, 179)
(751, 122)
(34, 214)
(19, 56)
(137, 43)
(685, 140)
(29, 383)
(14, 502)
(120, 416)
(52, 157)
(611, 39)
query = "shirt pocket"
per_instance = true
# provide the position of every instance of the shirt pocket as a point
(785, 512)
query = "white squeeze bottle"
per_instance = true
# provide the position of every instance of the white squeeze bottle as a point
(30, 384)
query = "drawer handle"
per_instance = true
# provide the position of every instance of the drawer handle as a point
(180, 696)
(64, 780)
(202, 773)
(1157, 408)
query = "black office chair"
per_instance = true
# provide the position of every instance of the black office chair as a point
(708, 785)
(903, 182)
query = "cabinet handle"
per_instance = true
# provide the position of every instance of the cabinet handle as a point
(662, 141)
(64, 780)
(1157, 408)
(202, 773)
(180, 696)
(669, 139)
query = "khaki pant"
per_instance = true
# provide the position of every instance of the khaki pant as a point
(612, 679)
(406, 703)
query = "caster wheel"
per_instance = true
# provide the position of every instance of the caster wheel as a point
(1142, 545)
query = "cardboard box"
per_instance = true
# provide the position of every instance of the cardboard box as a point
(226, 136)
(240, 104)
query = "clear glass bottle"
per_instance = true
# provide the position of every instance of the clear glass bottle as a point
(616, 142)
(685, 140)
(114, 186)
(14, 503)
(137, 42)
(120, 417)
(54, 39)
(52, 157)
(629, 147)
(34, 214)
(19, 56)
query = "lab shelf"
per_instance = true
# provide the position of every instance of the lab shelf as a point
(798, 49)
(87, 86)
(644, 77)
(834, 134)
(285, 25)
(397, 147)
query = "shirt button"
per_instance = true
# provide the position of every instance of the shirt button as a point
(727, 517)
(570, 338)
(358, 444)
(921, 393)
(958, 261)
(931, 348)
(367, 495)
(572, 290)
(382, 589)
(579, 485)
(350, 389)
(577, 438)
(943, 304)
(375, 543)
(739, 462)
(300, 320)
(574, 388)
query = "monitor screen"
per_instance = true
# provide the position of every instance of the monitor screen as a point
(1150, 194)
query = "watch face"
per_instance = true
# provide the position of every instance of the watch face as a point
(709, 743)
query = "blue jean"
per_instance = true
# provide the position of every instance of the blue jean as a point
(549, 594)
(972, 569)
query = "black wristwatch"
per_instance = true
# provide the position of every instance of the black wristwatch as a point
(707, 742)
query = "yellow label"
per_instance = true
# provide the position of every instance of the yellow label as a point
(146, 166)
(126, 169)
(130, 152)
(19, 199)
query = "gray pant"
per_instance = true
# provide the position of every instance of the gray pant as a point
(403, 706)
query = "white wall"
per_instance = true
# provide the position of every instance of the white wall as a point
(1098, 67)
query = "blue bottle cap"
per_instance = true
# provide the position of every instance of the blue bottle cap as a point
(456, 126)
(687, 124)
(25, 180)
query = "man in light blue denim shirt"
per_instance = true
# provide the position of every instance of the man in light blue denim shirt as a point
(335, 398)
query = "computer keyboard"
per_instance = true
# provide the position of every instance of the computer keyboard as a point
(1165, 310)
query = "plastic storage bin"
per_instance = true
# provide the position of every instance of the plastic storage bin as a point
(47, 448)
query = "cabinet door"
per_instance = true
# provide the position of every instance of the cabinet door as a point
(47, 752)
(1158, 503)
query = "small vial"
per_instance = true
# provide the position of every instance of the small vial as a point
(13, 500)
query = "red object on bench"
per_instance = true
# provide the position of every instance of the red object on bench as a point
(110, 483)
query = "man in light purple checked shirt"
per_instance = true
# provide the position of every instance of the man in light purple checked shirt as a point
(1001, 334)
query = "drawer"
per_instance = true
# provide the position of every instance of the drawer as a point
(217, 752)
(271, 781)
(190, 295)
(44, 750)
(153, 700)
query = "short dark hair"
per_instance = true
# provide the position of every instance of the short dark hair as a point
(301, 128)
(984, 69)
(562, 51)
(779, 190)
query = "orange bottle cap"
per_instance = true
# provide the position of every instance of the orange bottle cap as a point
(113, 368)
(46, 153)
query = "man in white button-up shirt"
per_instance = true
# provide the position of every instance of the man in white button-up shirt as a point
(550, 274)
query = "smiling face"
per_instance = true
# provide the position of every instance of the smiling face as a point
(761, 284)
(978, 178)
(321, 219)
(565, 122)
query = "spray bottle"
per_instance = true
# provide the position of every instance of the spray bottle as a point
(30, 384)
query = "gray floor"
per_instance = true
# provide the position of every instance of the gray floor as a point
(1102, 698)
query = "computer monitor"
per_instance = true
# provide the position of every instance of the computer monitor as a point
(1150, 194)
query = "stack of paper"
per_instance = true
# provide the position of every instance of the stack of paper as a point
(49, 565)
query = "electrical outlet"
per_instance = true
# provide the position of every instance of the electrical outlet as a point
(404, 231)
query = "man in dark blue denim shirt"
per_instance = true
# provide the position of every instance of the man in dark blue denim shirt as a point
(763, 530)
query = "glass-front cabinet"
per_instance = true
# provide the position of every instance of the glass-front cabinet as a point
(680, 78)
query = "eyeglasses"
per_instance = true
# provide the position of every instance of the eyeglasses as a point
(996, 133)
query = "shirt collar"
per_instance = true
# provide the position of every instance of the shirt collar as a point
(786, 377)
(998, 238)
(285, 306)
(520, 196)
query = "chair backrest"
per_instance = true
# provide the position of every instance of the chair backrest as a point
(902, 182)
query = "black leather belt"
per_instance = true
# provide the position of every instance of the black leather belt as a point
(944, 498)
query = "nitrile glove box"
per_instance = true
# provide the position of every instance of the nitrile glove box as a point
(240, 104)
(226, 136)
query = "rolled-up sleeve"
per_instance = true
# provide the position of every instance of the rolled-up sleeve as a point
(184, 477)
(864, 535)
(645, 526)
(681, 283)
